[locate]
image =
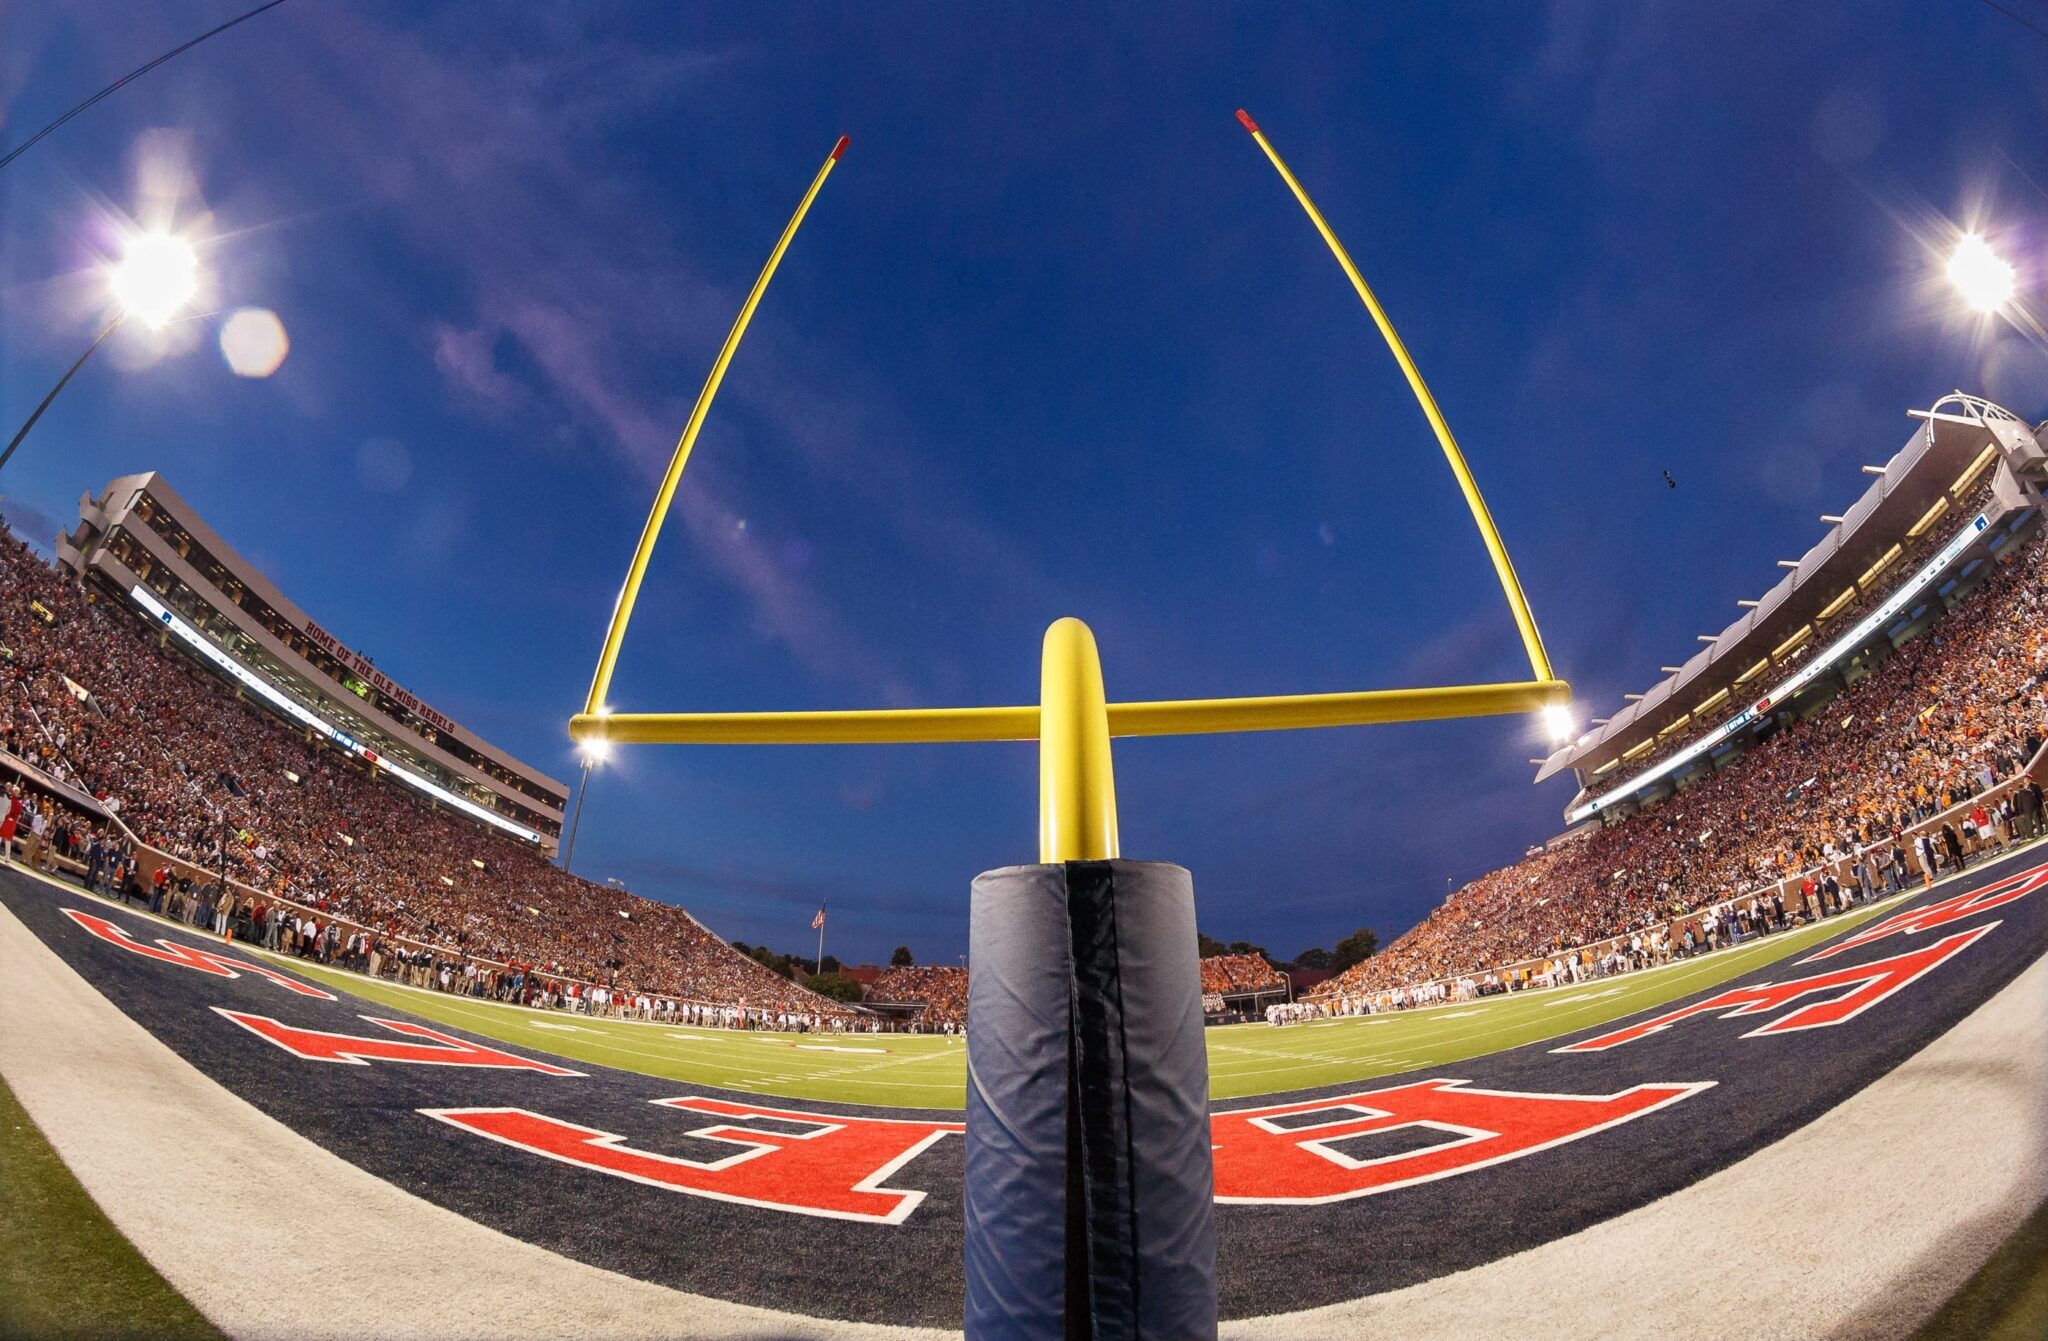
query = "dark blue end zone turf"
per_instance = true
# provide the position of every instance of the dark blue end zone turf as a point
(1273, 1258)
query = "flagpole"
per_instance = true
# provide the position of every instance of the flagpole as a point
(821, 941)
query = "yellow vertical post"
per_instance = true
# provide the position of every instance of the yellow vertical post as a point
(1496, 550)
(622, 613)
(1076, 784)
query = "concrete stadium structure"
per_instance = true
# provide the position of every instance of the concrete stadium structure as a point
(1964, 488)
(148, 551)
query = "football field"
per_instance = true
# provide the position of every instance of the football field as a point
(922, 1071)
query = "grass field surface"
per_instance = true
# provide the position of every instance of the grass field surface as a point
(922, 1071)
(65, 1271)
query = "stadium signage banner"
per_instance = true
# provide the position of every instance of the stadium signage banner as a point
(830, 1165)
(1800, 678)
(1295, 1154)
(298, 712)
(168, 951)
(364, 667)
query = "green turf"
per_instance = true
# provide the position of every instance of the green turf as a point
(927, 1072)
(65, 1271)
(2008, 1299)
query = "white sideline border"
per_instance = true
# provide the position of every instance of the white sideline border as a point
(1860, 1224)
(113, 1100)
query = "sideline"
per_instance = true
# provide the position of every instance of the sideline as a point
(243, 1188)
(1860, 1224)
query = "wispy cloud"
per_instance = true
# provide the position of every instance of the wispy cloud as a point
(467, 361)
(492, 178)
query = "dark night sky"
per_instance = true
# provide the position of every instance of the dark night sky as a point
(1054, 341)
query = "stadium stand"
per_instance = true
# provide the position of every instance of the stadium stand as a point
(1931, 744)
(1231, 976)
(940, 988)
(1913, 551)
(175, 760)
(154, 751)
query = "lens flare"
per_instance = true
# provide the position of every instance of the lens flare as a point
(253, 342)
(1557, 721)
(157, 274)
(1981, 275)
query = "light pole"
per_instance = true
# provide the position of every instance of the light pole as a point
(594, 753)
(156, 276)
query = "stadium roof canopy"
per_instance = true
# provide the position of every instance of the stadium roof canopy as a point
(1708, 698)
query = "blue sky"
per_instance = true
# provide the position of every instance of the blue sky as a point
(1054, 341)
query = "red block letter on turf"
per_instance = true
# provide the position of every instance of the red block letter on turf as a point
(1284, 1155)
(314, 1045)
(189, 956)
(1943, 912)
(1866, 984)
(836, 1169)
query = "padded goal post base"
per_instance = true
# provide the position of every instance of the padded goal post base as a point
(1090, 1201)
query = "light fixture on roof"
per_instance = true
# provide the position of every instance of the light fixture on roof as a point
(1831, 519)
(1981, 275)
(1671, 670)
(1788, 563)
(1873, 470)
(1708, 637)
(1749, 605)
(156, 276)
(1633, 698)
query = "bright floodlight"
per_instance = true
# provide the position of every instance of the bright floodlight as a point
(157, 275)
(1983, 277)
(1557, 720)
(596, 751)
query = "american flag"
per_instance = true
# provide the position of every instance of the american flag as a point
(818, 922)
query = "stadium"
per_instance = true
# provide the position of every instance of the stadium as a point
(312, 1027)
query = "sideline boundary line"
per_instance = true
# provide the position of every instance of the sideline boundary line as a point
(1883, 1170)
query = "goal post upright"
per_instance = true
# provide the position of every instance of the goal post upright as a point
(1089, 1193)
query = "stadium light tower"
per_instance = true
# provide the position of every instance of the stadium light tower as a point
(594, 752)
(157, 275)
(1981, 275)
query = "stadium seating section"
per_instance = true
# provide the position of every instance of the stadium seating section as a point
(199, 773)
(189, 765)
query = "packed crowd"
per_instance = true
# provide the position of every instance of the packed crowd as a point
(1240, 975)
(191, 769)
(1885, 869)
(941, 987)
(1955, 710)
